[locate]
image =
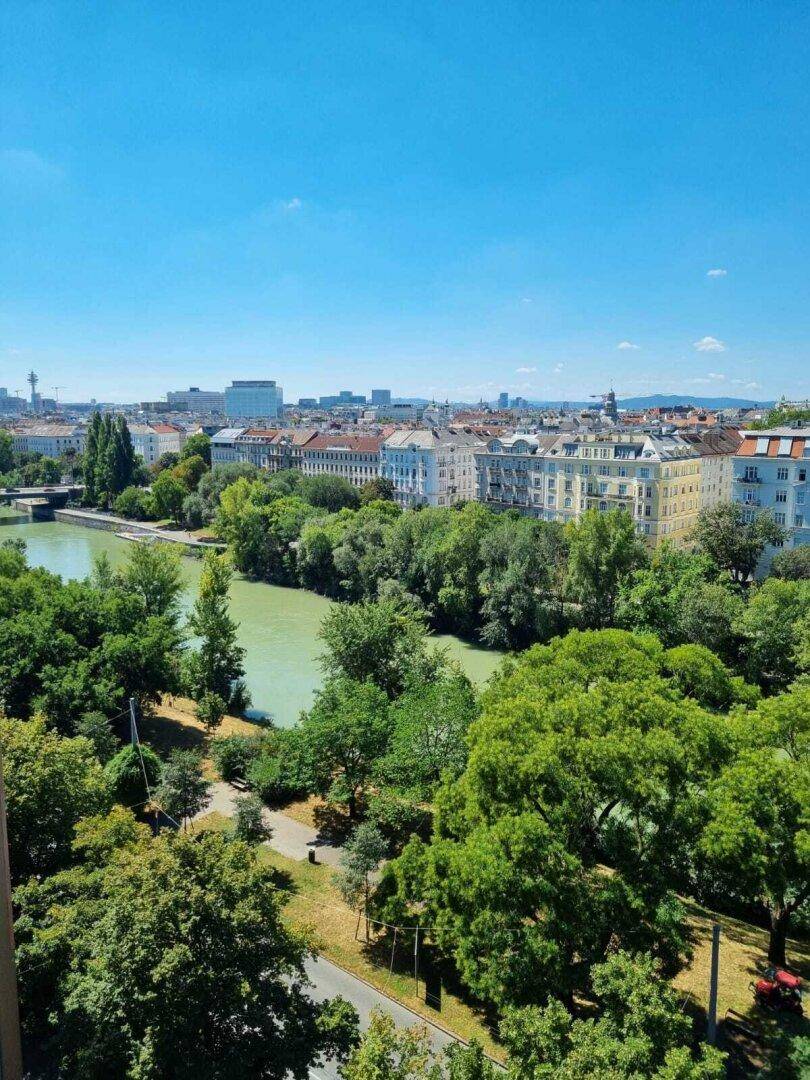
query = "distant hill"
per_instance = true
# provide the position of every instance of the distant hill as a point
(666, 401)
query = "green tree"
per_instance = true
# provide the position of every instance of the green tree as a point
(90, 459)
(96, 727)
(134, 503)
(758, 836)
(361, 858)
(168, 493)
(378, 488)
(51, 783)
(125, 771)
(167, 460)
(210, 710)
(183, 791)
(217, 663)
(603, 551)
(734, 544)
(248, 820)
(171, 959)
(377, 641)
(771, 628)
(6, 451)
(152, 573)
(793, 564)
(198, 445)
(344, 735)
(329, 492)
(190, 470)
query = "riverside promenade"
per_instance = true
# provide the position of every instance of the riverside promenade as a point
(135, 530)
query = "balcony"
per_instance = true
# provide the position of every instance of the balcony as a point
(756, 479)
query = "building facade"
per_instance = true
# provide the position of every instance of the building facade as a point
(655, 478)
(153, 440)
(380, 397)
(224, 447)
(355, 458)
(196, 400)
(50, 440)
(253, 399)
(430, 466)
(771, 471)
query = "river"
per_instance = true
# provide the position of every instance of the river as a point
(278, 627)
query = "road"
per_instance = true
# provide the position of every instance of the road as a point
(328, 981)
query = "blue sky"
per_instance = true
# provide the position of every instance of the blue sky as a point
(447, 199)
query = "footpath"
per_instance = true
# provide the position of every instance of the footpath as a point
(137, 530)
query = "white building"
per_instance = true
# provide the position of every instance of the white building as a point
(196, 400)
(224, 447)
(153, 440)
(50, 440)
(356, 458)
(771, 470)
(430, 466)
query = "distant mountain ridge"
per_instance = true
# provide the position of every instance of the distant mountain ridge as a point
(652, 401)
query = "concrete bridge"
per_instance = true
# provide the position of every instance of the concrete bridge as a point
(40, 502)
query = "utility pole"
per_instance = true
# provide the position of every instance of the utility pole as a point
(711, 1026)
(10, 1050)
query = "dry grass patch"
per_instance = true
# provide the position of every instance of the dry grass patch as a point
(173, 725)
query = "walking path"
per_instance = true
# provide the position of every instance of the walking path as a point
(99, 519)
(289, 838)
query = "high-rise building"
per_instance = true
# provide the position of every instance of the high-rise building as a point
(503, 400)
(253, 399)
(196, 400)
(381, 397)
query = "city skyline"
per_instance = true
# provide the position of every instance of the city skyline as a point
(517, 199)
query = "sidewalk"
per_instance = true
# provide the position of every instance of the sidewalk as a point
(289, 838)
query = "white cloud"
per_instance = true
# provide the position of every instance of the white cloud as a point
(709, 344)
(718, 272)
(627, 345)
(558, 368)
(525, 370)
(293, 204)
(525, 299)
(716, 376)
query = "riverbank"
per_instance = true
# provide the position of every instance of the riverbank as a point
(128, 529)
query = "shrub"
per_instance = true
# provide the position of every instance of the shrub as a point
(233, 754)
(249, 825)
(194, 511)
(134, 503)
(278, 774)
(125, 775)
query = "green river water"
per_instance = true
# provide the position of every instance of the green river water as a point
(278, 627)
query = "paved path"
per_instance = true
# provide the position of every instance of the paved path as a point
(328, 980)
(289, 837)
(136, 528)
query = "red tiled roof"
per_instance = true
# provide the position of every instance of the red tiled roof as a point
(749, 446)
(364, 444)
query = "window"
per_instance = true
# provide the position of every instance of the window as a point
(781, 495)
(751, 473)
(779, 517)
(622, 470)
(782, 473)
(603, 488)
(603, 506)
(644, 473)
(798, 520)
(586, 470)
(622, 489)
(762, 445)
(785, 446)
(604, 470)
(567, 502)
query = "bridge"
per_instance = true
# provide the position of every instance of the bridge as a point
(41, 501)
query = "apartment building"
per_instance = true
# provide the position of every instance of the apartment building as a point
(654, 477)
(771, 471)
(50, 440)
(356, 458)
(430, 466)
(224, 447)
(716, 447)
(153, 440)
(196, 400)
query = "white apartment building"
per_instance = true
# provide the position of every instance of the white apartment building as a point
(196, 400)
(356, 458)
(224, 447)
(153, 440)
(430, 466)
(771, 470)
(50, 440)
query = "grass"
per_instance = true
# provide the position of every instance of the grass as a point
(173, 725)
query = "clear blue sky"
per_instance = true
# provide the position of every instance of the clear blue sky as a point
(440, 198)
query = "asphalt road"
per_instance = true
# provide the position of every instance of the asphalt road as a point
(328, 981)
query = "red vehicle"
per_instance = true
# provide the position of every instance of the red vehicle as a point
(779, 990)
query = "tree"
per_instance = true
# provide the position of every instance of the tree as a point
(134, 503)
(96, 727)
(183, 791)
(217, 663)
(169, 958)
(90, 460)
(124, 773)
(603, 551)
(51, 783)
(168, 493)
(734, 544)
(152, 573)
(361, 858)
(167, 460)
(331, 493)
(758, 836)
(344, 734)
(248, 820)
(379, 641)
(6, 451)
(210, 710)
(782, 722)
(190, 470)
(641, 1031)
(793, 564)
(198, 445)
(379, 487)
(771, 627)
(194, 511)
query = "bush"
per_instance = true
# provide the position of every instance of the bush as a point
(194, 511)
(398, 817)
(249, 825)
(233, 754)
(278, 775)
(134, 503)
(125, 775)
(96, 727)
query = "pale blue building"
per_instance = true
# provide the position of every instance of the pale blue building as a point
(253, 399)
